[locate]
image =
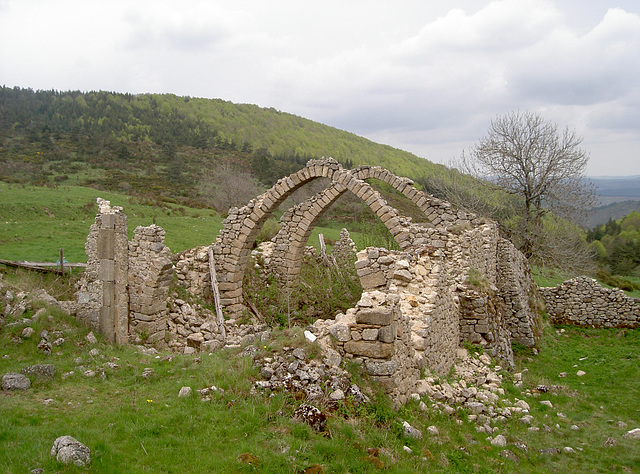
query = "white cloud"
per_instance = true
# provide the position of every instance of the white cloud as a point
(423, 76)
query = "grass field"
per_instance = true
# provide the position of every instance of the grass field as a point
(136, 424)
(35, 222)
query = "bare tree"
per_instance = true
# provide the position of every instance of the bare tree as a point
(526, 155)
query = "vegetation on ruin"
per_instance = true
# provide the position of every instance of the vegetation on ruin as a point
(137, 424)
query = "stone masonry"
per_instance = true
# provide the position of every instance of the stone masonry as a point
(150, 273)
(422, 299)
(103, 302)
(583, 302)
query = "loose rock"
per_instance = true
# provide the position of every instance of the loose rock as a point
(15, 381)
(67, 450)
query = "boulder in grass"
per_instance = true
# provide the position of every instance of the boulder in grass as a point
(632, 434)
(45, 371)
(15, 381)
(68, 450)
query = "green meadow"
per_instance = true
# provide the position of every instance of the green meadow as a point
(138, 424)
(36, 221)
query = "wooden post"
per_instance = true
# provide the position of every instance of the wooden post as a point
(216, 295)
(61, 261)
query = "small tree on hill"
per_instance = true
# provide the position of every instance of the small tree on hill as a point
(526, 155)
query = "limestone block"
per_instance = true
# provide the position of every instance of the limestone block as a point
(387, 333)
(372, 280)
(107, 270)
(380, 367)
(341, 332)
(375, 349)
(403, 275)
(381, 316)
(370, 334)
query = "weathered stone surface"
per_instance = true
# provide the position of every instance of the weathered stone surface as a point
(583, 302)
(375, 349)
(632, 434)
(184, 392)
(41, 370)
(410, 431)
(341, 332)
(69, 450)
(15, 381)
(379, 316)
(380, 367)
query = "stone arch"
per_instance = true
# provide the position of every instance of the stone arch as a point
(439, 213)
(235, 241)
(298, 223)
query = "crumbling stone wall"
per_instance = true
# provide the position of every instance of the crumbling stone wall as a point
(519, 295)
(420, 282)
(192, 272)
(150, 273)
(125, 290)
(583, 302)
(375, 334)
(482, 321)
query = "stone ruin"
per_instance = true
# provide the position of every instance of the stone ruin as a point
(583, 302)
(454, 280)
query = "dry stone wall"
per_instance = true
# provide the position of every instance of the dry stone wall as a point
(519, 294)
(192, 272)
(150, 273)
(583, 302)
(377, 335)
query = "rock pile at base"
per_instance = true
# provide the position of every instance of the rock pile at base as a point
(316, 380)
(478, 389)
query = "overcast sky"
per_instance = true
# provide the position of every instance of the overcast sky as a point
(424, 76)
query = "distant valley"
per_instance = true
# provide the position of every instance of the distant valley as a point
(617, 197)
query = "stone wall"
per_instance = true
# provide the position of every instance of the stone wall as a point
(377, 335)
(482, 321)
(192, 272)
(150, 273)
(419, 280)
(583, 302)
(519, 294)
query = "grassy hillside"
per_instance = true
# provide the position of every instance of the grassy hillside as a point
(37, 221)
(94, 122)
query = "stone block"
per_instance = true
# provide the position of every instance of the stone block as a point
(379, 316)
(372, 280)
(387, 333)
(108, 221)
(107, 270)
(341, 332)
(370, 334)
(375, 349)
(105, 244)
(403, 275)
(380, 367)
